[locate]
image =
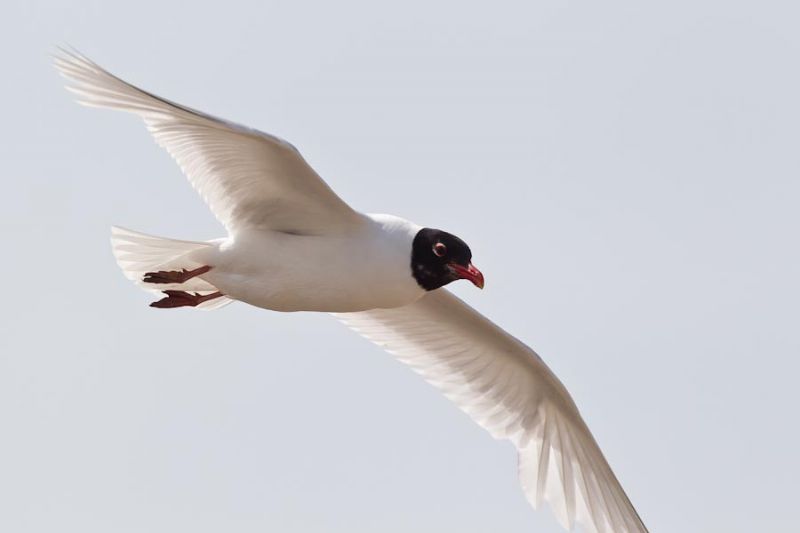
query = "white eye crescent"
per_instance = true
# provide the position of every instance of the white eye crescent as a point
(439, 249)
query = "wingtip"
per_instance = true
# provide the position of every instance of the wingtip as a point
(62, 54)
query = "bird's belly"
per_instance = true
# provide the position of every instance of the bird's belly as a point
(285, 294)
(295, 275)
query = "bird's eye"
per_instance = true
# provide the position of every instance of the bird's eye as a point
(439, 249)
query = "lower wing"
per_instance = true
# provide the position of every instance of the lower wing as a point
(507, 388)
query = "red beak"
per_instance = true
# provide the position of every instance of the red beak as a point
(469, 272)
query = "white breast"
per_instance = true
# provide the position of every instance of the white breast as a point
(367, 268)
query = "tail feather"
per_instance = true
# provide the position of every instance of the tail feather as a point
(138, 253)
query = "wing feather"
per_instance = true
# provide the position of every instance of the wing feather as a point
(507, 388)
(248, 178)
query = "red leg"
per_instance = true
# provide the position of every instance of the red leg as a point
(174, 276)
(183, 299)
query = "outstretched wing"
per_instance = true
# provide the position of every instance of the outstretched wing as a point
(506, 388)
(249, 179)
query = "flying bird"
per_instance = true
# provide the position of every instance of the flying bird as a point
(294, 245)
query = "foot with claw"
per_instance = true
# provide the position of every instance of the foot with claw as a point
(174, 276)
(183, 299)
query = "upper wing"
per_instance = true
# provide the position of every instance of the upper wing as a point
(248, 178)
(505, 387)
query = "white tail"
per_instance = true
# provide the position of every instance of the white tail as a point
(138, 253)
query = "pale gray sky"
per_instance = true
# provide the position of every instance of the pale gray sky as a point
(627, 177)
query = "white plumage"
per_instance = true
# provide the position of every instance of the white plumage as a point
(293, 244)
(138, 253)
(248, 178)
(506, 388)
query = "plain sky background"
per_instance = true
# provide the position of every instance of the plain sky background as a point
(626, 173)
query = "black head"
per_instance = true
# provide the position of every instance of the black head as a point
(438, 257)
